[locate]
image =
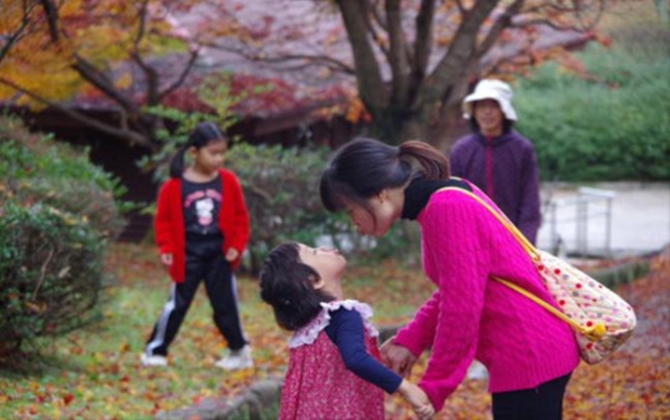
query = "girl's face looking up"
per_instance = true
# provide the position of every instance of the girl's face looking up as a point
(209, 158)
(328, 262)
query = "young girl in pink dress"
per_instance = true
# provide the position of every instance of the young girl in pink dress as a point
(334, 370)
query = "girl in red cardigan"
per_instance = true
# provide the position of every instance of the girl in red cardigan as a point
(201, 227)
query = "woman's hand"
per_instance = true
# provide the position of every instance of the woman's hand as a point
(166, 259)
(397, 357)
(232, 254)
(417, 399)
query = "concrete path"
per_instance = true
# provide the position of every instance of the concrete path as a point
(639, 220)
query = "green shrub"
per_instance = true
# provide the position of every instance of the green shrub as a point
(281, 188)
(34, 168)
(281, 192)
(614, 125)
(50, 273)
(57, 212)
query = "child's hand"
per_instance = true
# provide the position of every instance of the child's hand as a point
(417, 399)
(166, 259)
(231, 254)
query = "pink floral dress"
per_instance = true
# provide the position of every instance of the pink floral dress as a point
(318, 385)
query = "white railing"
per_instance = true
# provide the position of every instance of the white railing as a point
(591, 205)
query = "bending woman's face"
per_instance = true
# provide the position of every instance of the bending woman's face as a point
(375, 219)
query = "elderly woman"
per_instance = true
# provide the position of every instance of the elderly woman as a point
(497, 159)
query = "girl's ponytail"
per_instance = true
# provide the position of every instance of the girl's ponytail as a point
(434, 164)
(177, 162)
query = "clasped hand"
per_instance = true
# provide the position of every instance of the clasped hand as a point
(401, 361)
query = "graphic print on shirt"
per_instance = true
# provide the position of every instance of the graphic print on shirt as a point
(203, 209)
(201, 206)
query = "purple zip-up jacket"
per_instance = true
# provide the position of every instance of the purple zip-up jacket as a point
(504, 168)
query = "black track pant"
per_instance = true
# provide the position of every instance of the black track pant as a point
(204, 261)
(542, 403)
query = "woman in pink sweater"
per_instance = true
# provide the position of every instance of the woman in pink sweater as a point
(528, 353)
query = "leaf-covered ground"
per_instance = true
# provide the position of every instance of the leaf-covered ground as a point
(632, 384)
(96, 373)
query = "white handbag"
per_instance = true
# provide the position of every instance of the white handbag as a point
(602, 320)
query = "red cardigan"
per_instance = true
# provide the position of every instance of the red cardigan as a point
(169, 221)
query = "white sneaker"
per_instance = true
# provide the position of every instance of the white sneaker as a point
(239, 359)
(153, 360)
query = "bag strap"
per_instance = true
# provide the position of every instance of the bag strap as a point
(593, 333)
(525, 243)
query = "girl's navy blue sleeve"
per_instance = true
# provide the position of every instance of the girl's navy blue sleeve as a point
(346, 330)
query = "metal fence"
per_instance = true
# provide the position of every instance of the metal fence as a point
(589, 216)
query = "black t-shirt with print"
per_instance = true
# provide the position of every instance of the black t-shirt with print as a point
(201, 202)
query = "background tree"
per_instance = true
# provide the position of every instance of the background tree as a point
(54, 50)
(411, 59)
(404, 63)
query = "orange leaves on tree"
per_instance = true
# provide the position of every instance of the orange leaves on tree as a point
(124, 81)
(102, 32)
(603, 40)
(356, 111)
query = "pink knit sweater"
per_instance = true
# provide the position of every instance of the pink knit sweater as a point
(471, 316)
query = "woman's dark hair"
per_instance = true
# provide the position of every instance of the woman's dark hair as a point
(287, 284)
(365, 167)
(203, 134)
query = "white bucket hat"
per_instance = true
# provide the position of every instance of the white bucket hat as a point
(491, 89)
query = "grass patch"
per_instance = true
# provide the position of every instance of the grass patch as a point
(95, 373)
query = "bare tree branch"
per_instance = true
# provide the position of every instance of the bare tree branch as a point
(324, 60)
(461, 6)
(10, 40)
(182, 77)
(535, 22)
(368, 75)
(150, 74)
(51, 13)
(454, 63)
(379, 41)
(126, 135)
(578, 9)
(503, 21)
(424, 39)
(400, 67)
(379, 19)
(142, 17)
(98, 79)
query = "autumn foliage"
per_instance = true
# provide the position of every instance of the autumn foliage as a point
(402, 66)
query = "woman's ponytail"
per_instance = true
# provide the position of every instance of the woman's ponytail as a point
(364, 167)
(434, 165)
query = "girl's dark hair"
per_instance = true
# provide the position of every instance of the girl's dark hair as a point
(287, 284)
(203, 134)
(365, 167)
